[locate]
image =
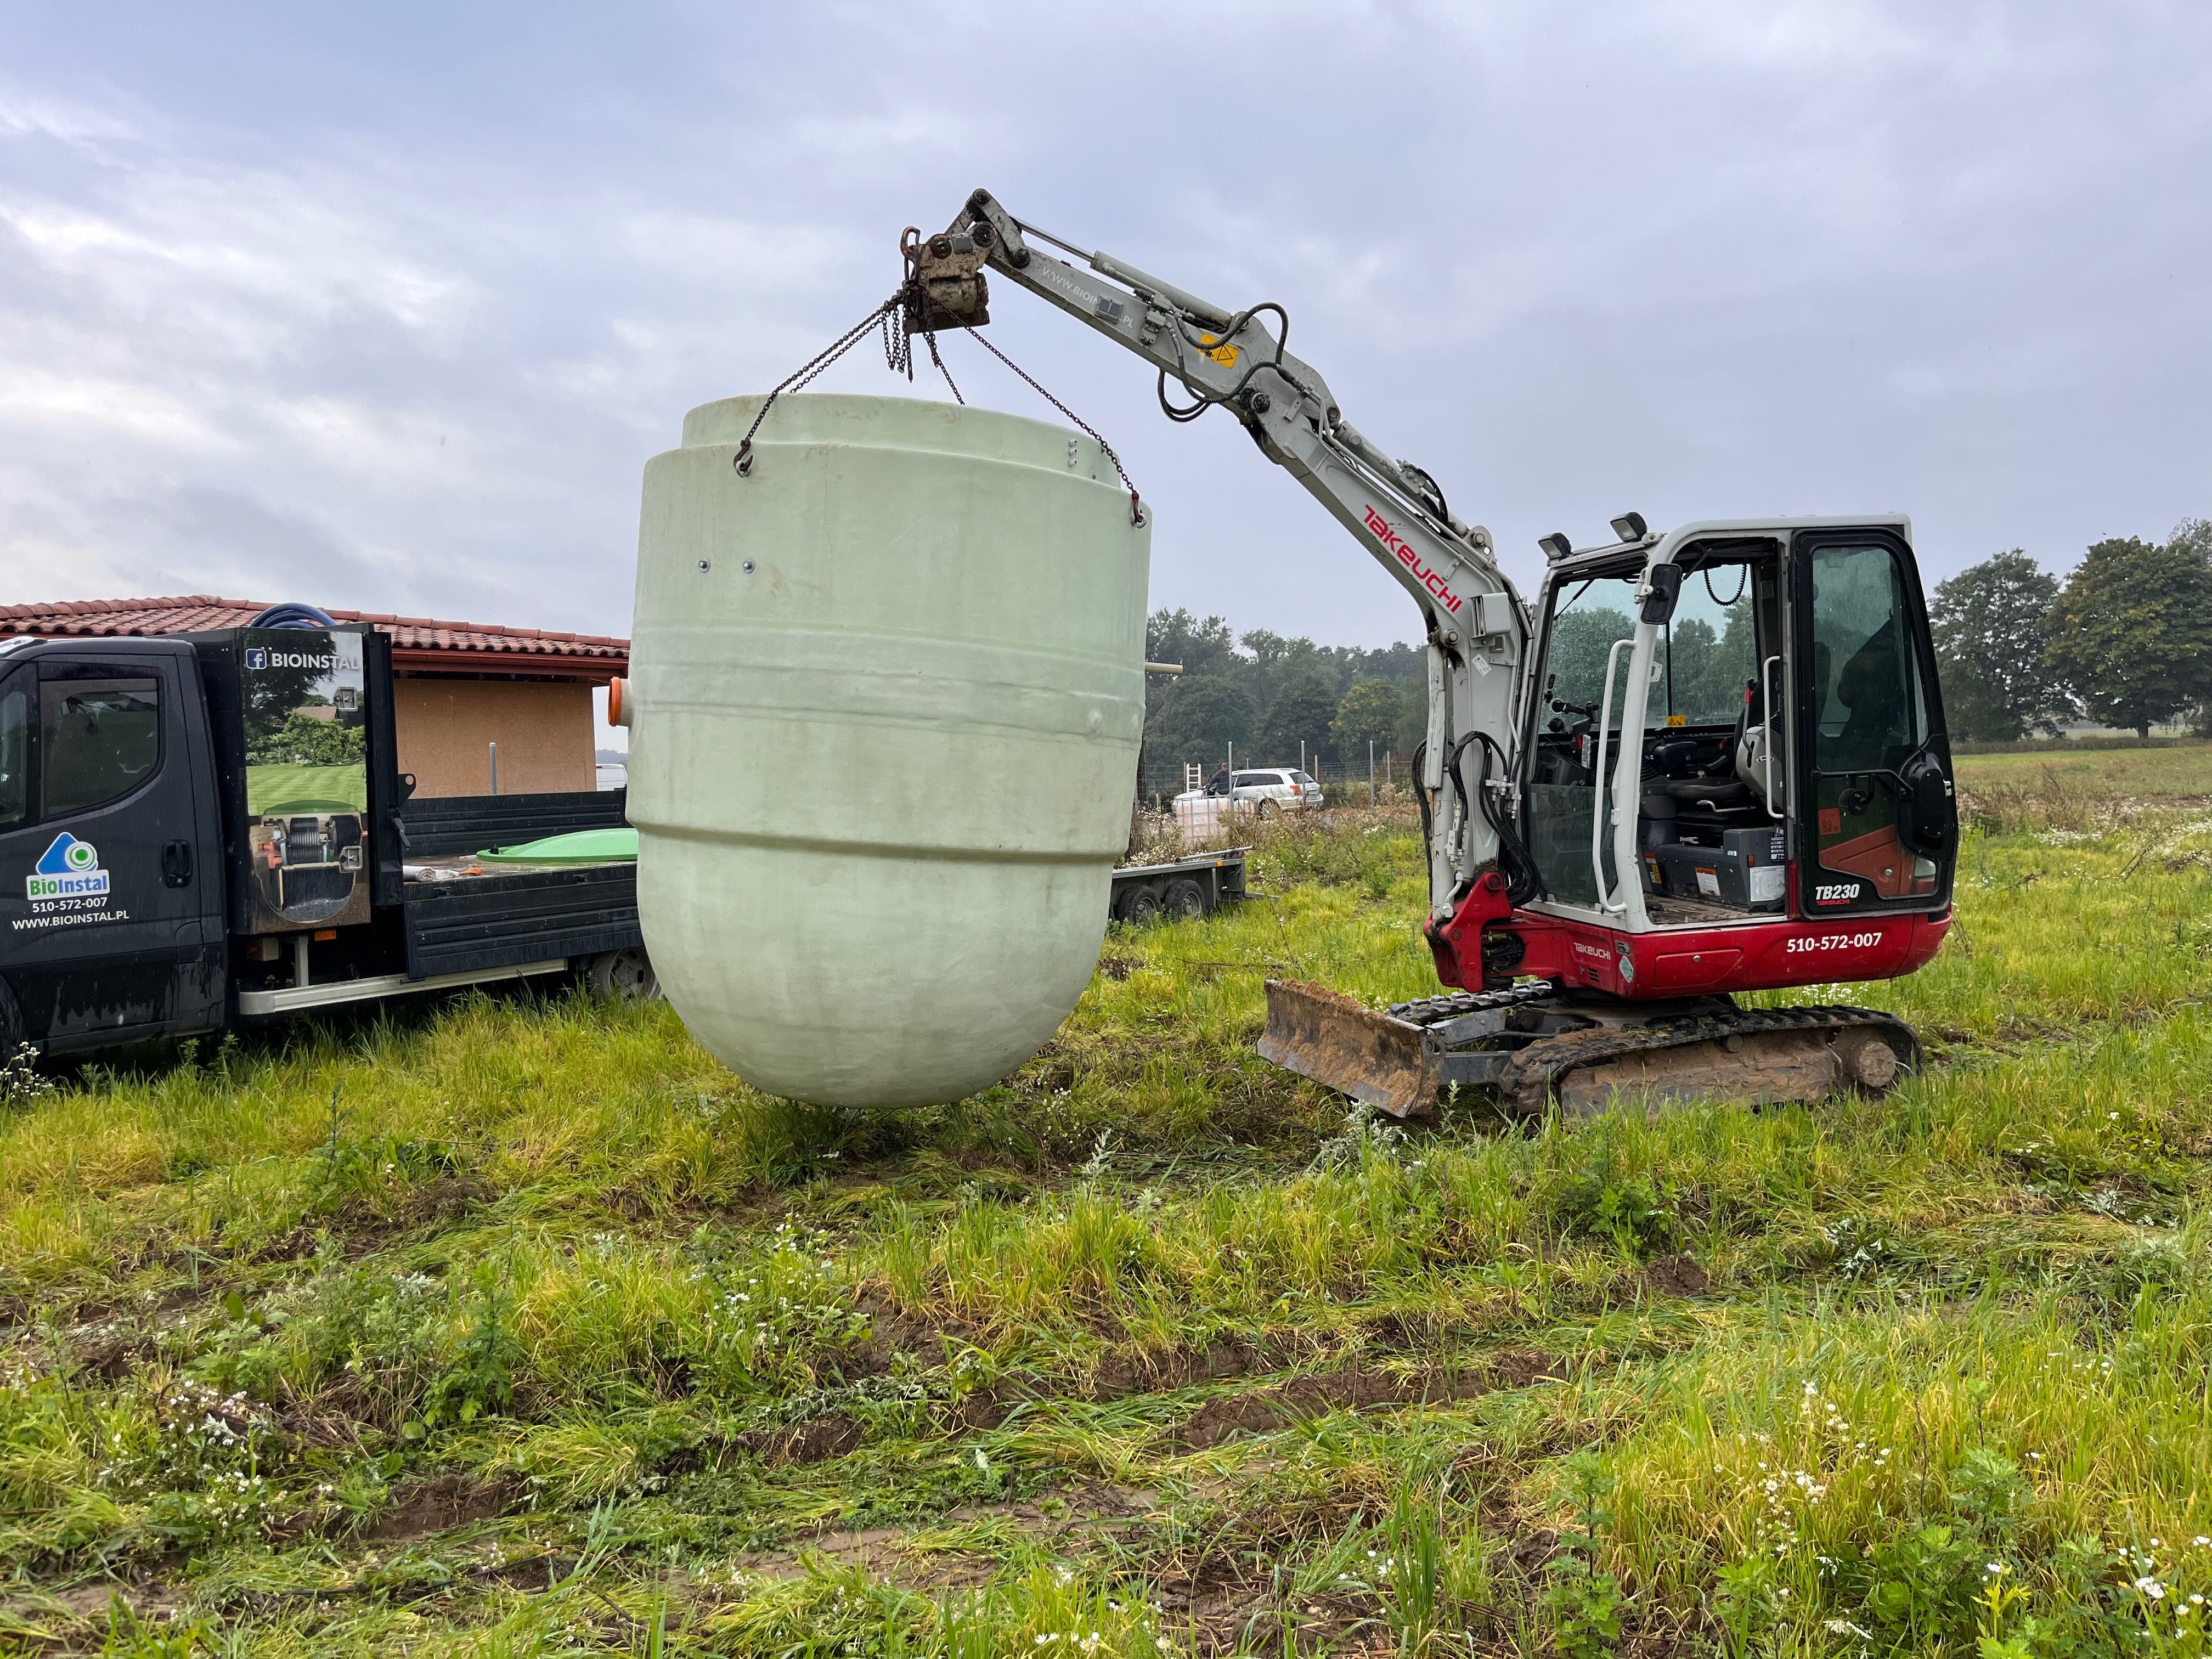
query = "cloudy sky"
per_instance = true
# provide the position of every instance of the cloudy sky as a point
(386, 305)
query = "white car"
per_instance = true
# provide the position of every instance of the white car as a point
(1266, 790)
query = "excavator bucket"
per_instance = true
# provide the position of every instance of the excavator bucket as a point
(1356, 1050)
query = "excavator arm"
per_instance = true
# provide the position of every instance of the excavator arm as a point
(1475, 625)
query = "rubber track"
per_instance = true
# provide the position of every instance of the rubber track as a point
(1525, 1089)
(1434, 1011)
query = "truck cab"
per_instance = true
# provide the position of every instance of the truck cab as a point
(113, 905)
(200, 829)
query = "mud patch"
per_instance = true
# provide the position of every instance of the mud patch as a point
(973, 1414)
(1525, 1370)
(1124, 1373)
(1354, 1389)
(439, 1506)
(892, 1555)
(32, 1613)
(813, 1442)
(893, 1331)
(882, 1553)
(1677, 1275)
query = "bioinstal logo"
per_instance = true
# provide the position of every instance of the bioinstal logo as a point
(69, 868)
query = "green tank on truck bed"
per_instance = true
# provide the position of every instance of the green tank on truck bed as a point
(203, 829)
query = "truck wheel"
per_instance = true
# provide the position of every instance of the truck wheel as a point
(624, 975)
(1186, 899)
(1142, 908)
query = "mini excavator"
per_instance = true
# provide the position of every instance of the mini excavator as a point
(1706, 761)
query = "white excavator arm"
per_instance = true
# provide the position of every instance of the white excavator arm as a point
(1476, 627)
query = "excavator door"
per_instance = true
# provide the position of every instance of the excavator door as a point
(1880, 825)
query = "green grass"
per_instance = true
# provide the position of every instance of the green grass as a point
(520, 1327)
(307, 788)
(2164, 773)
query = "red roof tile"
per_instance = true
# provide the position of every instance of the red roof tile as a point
(197, 612)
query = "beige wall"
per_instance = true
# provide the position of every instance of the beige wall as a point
(446, 727)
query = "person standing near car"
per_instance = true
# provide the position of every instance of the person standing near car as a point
(1219, 783)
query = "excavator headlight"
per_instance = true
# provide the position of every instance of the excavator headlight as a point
(1630, 527)
(1556, 545)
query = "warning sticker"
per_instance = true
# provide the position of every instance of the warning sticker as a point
(1767, 880)
(1708, 883)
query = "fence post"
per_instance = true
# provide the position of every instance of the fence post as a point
(1372, 802)
(495, 768)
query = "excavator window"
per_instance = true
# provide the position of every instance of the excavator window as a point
(1870, 720)
(1588, 616)
(1711, 842)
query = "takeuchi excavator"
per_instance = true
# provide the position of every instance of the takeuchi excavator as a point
(1707, 760)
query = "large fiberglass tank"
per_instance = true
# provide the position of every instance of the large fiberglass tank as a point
(887, 693)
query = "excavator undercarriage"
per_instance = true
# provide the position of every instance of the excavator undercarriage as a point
(1531, 1046)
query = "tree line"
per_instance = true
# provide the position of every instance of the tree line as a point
(2125, 639)
(1267, 695)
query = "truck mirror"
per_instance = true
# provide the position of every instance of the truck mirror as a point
(1662, 585)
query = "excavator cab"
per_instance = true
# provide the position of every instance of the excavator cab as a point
(1758, 737)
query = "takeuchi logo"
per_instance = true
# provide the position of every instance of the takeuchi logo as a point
(69, 868)
(1403, 550)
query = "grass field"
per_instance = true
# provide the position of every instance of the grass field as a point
(513, 1327)
(307, 788)
(2183, 770)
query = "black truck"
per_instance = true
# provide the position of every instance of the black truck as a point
(208, 828)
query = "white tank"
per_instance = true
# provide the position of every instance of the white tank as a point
(886, 696)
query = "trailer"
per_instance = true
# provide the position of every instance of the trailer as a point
(1196, 886)
(202, 831)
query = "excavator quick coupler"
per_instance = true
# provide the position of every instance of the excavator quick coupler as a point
(945, 285)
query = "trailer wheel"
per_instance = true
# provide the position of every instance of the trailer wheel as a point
(624, 975)
(1186, 899)
(1142, 908)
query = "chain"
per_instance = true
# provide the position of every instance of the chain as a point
(1136, 505)
(895, 317)
(898, 355)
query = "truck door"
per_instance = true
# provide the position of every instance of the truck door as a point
(112, 922)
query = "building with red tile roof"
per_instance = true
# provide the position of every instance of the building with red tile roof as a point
(459, 686)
